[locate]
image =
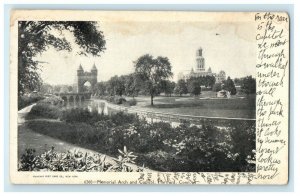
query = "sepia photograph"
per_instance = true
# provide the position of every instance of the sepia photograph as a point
(151, 93)
(132, 96)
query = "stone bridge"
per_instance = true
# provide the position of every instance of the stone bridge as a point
(75, 99)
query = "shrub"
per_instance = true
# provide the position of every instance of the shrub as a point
(122, 118)
(217, 87)
(76, 161)
(44, 110)
(28, 161)
(114, 99)
(131, 102)
(119, 100)
(159, 145)
(158, 160)
(243, 141)
(24, 100)
(54, 100)
(81, 115)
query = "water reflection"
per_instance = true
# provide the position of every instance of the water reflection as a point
(90, 104)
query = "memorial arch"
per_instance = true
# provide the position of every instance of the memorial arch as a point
(83, 77)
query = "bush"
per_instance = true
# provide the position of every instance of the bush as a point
(44, 110)
(184, 148)
(76, 115)
(132, 102)
(28, 160)
(76, 161)
(122, 118)
(119, 100)
(217, 87)
(158, 160)
(54, 100)
(24, 100)
(79, 115)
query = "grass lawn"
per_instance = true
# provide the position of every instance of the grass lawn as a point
(205, 105)
(40, 142)
(42, 134)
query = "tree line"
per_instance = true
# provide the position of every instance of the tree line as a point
(152, 77)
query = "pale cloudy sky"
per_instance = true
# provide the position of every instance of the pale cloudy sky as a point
(233, 51)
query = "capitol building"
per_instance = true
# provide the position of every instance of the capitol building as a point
(200, 70)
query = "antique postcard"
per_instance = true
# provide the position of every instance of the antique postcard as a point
(149, 97)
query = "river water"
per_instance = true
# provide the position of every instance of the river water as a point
(91, 104)
(101, 106)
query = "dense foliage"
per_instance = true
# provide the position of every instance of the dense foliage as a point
(159, 145)
(48, 107)
(229, 86)
(26, 100)
(181, 87)
(167, 87)
(248, 85)
(194, 86)
(44, 110)
(76, 161)
(217, 87)
(207, 81)
(119, 100)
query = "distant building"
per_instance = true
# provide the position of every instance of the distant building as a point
(201, 71)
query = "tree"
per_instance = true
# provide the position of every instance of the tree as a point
(46, 88)
(217, 87)
(167, 87)
(132, 86)
(100, 88)
(181, 87)
(152, 72)
(208, 81)
(248, 85)
(237, 81)
(35, 37)
(194, 86)
(116, 85)
(70, 88)
(64, 89)
(229, 86)
(56, 88)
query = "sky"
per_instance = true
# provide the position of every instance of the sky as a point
(233, 50)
